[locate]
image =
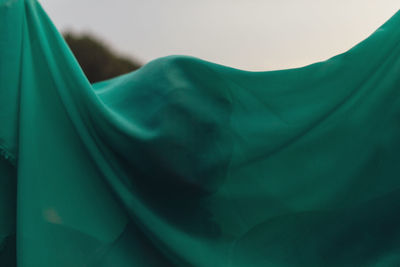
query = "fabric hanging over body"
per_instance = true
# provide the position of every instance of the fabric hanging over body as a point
(189, 163)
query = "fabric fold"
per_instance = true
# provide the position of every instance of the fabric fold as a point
(186, 162)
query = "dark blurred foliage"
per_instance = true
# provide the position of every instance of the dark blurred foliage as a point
(97, 60)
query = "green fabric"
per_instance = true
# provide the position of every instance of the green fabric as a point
(189, 163)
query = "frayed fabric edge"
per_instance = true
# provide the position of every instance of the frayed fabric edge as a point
(5, 154)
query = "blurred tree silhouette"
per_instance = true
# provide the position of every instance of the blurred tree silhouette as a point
(97, 60)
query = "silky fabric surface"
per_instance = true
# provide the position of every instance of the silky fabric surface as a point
(189, 163)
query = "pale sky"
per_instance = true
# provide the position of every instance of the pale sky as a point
(245, 34)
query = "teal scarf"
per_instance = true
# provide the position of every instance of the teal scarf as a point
(189, 163)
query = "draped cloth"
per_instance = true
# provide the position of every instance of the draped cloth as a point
(189, 163)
